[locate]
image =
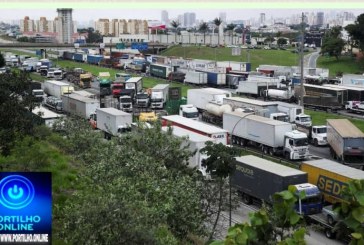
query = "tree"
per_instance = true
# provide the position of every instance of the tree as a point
(93, 36)
(351, 211)
(277, 225)
(203, 28)
(23, 39)
(218, 22)
(220, 164)
(175, 25)
(332, 43)
(16, 104)
(2, 60)
(281, 42)
(269, 40)
(356, 32)
(230, 28)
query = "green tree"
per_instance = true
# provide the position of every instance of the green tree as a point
(16, 104)
(220, 164)
(281, 42)
(217, 23)
(2, 60)
(93, 36)
(175, 25)
(332, 42)
(23, 39)
(230, 28)
(278, 225)
(356, 32)
(351, 211)
(203, 28)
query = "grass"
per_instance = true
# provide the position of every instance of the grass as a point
(345, 64)
(319, 118)
(257, 56)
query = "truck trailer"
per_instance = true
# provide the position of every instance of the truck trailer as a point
(272, 136)
(112, 121)
(218, 134)
(159, 96)
(79, 105)
(259, 179)
(346, 142)
(158, 70)
(196, 77)
(57, 88)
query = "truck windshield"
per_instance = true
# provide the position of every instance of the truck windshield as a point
(38, 93)
(305, 119)
(282, 118)
(301, 142)
(190, 114)
(142, 96)
(156, 99)
(322, 130)
(313, 200)
(125, 100)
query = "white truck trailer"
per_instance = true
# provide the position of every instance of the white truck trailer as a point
(57, 88)
(195, 77)
(79, 105)
(255, 88)
(113, 122)
(159, 96)
(216, 133)
(195, 143)
(272, 136)
(346, 142)
(295, 113)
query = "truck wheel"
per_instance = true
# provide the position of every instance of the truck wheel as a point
(247, 199)
(271, 152)
(286, 155)
(329, 233)
(265, 150)
(315, 142)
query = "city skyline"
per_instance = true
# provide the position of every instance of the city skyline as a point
(85, 15)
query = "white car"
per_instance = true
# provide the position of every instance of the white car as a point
(331, 216)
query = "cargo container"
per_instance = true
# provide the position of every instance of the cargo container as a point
(113, 122)
(271, 136)
(233, 65)
(355, 93)
(45, 116)
(79, 105)
(195, 143)
(232, 80)
(259, 179)
(263, 108)
(200, 97)
(254, 88)
(158, 70)
(346, 142)
(322, 102)
(216, 133)
(79, 57)
(341, 94)
(94, 59)
(216, 79)
(57, 88)
(195, 77)
(330, 177)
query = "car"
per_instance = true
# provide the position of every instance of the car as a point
(266, 47)
(331, 215)
(244, 46)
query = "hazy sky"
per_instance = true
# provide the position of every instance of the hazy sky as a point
(83, 15)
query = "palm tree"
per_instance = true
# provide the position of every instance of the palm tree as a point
(175, 25)
(230, 28)
(203, 28)
(217, 22)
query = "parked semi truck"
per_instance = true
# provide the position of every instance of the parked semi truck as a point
(79, 105)
(259, 179)
(126, 100)
(57, 88)
(195, 143)
(272, 136)
(159, 96)
(346, 142)
(159, 70)
(219, 134)
(105, 83)
(295, 113)
(317, 135)
(112, 121)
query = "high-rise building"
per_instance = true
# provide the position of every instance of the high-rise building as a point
(189, 19)
(164, 17)
(27, 25)
(180, 20)
(222, 16)
(262, 19)
(65, 25)
(320, 19)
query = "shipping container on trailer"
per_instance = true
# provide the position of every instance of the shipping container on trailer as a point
(79, 105)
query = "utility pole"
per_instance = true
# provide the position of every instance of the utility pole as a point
(301, 59)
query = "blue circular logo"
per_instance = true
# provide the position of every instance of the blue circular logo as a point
(16, 192)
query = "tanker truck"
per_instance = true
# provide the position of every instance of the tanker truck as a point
(279, 94)
(213, 113)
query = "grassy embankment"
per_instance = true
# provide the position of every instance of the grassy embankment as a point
(345, 64)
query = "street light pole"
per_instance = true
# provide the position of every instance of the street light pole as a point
(301, 61)
(231, 143)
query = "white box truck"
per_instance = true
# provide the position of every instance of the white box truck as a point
(195, 77)
(195, 143)
(79, 105)
(255, 88)
(159, 96)
(272, 136)
(295, 113)
(57, 88)
(201, 97)
(113, 122)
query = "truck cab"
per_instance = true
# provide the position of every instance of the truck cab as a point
(126, 103)
(142, 100)
(156, 99)
(189, 111)
(318, 135)
(38, 94)
(295, 145)
(304, 120)
(311, 203)
(279, 116)
(85, 80)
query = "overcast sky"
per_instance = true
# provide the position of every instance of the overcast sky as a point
(83, 15)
